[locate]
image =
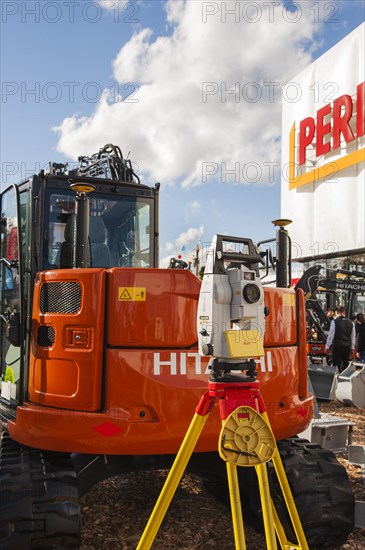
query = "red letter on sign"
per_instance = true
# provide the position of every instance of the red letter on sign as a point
(360, 110)
(323, 130)
(341, 123)
(305, 138)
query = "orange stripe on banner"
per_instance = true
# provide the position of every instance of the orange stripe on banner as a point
(324, 171)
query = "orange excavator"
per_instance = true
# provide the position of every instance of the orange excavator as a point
(99, 359)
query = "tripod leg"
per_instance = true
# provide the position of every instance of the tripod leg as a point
(289, 501)
(288, 497)
(236, 509)
(266, 506)
(172, 481)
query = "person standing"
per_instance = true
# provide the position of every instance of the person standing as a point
(342, 339)
(330, 313)
(360, 336)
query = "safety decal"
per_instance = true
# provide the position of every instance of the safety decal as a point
(289, 300)
(132, 294)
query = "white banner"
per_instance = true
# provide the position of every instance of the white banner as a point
(323, 151)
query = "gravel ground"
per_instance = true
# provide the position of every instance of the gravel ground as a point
(116, 511)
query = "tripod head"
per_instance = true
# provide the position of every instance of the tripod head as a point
(231, 319)
(221, 371)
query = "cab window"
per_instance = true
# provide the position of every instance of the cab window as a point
(119, 231)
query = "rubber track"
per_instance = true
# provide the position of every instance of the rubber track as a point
(321, 490)
(39, 503)
(320, 487)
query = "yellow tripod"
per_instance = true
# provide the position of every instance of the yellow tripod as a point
(245, 440)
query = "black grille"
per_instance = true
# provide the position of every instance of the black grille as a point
(46, 336)
(60, 297)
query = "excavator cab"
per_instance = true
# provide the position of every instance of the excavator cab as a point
(42, 228)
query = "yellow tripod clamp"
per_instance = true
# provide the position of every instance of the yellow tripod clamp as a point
(246, 438)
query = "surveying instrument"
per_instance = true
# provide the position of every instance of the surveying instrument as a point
(231, 324)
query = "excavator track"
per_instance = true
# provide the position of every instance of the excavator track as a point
(39, 502)
(321, 490)
(320, 487)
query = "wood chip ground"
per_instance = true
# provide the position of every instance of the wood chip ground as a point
(116, 511)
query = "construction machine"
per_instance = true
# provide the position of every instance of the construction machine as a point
(326, 288)
(99, 359)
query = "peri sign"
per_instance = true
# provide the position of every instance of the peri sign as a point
(323, 155)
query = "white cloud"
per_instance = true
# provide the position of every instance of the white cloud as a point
(183, 246)
(191, 234)
(171, 131)
(113, 4)
(192, 209)
(194, 206)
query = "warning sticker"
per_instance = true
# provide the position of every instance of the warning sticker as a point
(289, 300)
(132, 294)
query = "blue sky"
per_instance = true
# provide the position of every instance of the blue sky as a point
(191, 89)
